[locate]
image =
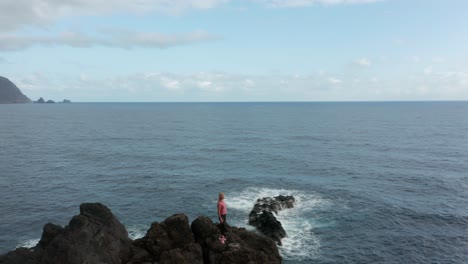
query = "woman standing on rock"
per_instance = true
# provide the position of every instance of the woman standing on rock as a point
(222, 211)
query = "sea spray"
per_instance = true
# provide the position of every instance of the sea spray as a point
(28, 243)
(136, 231)
(301, 242)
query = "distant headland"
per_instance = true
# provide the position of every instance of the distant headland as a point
(11, 94)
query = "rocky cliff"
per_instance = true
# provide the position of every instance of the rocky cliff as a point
(10, 94)
(96, 236)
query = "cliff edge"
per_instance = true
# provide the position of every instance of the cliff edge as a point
(10, 94)
(96, 236)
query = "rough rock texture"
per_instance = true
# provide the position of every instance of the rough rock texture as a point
(169, 242)
(241, 246)
(42, 101)
(263, 218)
(10, 94)
(95, 236)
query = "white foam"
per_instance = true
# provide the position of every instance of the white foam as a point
(28, 243)
(301, 242)
(136, 231)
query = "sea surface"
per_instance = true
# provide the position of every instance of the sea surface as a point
(382, 182)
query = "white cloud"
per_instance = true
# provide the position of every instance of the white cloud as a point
(364, 62)
(204, 84)
(17, 13)
(415, 59)
(428, 70)
(303, 3)
(170, 83)
(438, 59)
(109, 38)
(334, 80)
(399, 41)
(224, 86)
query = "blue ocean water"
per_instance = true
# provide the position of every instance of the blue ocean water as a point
(375, 182)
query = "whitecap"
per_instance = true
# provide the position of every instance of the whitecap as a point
(28, 243)
(301, 242)
(136, 231)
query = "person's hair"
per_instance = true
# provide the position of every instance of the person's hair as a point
(221, 194)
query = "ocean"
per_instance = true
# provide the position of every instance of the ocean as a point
(375, 182)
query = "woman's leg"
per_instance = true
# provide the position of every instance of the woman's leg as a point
(223, 225)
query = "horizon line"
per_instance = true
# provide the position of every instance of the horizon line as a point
(331, 101)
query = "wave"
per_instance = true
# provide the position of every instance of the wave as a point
(301, 243)
(136, 231)
(28, 243)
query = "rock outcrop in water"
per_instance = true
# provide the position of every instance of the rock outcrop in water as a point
(96, 236)
(10, 94)
(264, 220)
(42, 101)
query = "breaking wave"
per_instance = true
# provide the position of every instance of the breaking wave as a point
(301, 243)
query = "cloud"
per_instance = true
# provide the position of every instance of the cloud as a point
(224, 86)
(364, 62)
(303, 3)
(111, 38)
(333, 80)
(17, 13)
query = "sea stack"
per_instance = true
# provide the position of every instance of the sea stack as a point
(263, 217)
(10, 93)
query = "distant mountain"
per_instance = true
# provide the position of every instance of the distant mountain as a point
(10, 94)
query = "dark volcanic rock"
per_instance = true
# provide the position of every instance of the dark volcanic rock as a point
(96, 236)
(263, 218)
(20, 255)
(241, 246)
(10, 94)
(170, 242)
(93, 236)
(268, 225)
(42, 101)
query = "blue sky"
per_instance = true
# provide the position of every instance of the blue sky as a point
(226, 50)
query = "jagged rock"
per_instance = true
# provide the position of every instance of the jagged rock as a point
(20, 255)
(96, 236)
(268, 225)
(40, 101)
(241, 246)
(171, 242)
(93, 236)
(10, 93)
(66, 101)
(50, 231)
(263, 218)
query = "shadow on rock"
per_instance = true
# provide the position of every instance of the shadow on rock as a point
(96, 236)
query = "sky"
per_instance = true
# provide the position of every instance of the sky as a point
(229, 50)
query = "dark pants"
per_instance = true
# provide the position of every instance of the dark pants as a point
(223, 225)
